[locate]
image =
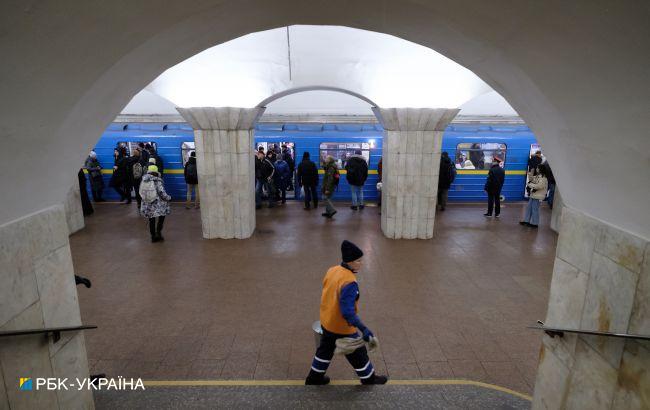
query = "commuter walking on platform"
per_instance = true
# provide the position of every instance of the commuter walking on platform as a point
(339, 319)
(94, 169)
(138, 169)
(282, 177)
(155, 202)
(191, 174)
(495, 179)
(330, 182)
(446, 177)
(537, 186)
(357, 174)
(264, 171)
(307, 177)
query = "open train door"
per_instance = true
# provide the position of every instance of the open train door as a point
(292, 191)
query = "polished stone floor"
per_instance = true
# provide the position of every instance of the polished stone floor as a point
(456, 306)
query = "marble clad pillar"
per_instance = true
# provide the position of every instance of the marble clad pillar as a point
(74, 214)
(601, 281)
(411, 162)
(226, 168)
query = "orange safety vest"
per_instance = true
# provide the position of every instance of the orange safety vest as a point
(331, 318)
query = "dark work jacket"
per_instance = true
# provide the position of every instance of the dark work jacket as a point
(357, 170)
(496, 177)
(263, 168)
(446, 176)
(190, 172)
(307, 173)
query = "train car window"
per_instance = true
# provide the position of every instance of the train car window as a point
(479, 155)
(186, 148)
(341, 151)
(132, 145)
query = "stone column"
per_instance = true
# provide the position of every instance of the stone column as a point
(411, 162)
(74, 214)
(556, 214)
(601, 281)
(37, 290)
(226, 168)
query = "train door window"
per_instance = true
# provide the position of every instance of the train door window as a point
(341, 151)
(279, 147)
(479, 155)
(132, 145)
(186, 148)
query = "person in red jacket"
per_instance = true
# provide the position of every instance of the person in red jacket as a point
(338, 318)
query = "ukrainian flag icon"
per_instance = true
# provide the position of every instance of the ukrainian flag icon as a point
(25, 383)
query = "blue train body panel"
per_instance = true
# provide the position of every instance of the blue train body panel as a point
(468, 185)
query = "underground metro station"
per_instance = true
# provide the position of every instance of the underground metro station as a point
(236, 204)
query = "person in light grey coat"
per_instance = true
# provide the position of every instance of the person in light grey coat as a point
(155, 202)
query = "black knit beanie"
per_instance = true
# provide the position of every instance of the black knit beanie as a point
(350, 252)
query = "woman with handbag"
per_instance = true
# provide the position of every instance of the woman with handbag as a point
(537, 186)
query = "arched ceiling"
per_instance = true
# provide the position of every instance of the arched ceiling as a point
(387, 70)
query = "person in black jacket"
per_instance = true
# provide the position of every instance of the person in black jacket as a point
(264, 171)
(445, 178)
(496, 177)
(191, 174)
(357, 173)
(288, 157)
(307, 177)
(120, 179)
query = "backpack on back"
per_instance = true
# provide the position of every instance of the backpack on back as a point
(148, 191)
(138, 170)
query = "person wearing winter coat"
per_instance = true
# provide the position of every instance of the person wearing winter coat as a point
(446, 176)
(282, 177)
(94, 169)
(493, 185)
(138, 169)
(356, 174)
(264, 171)
(191, 174)
(155, 202)
(537, 186)
(307, 177)
(121, 179)
(339, 319)
(330, 182)
(287, 155)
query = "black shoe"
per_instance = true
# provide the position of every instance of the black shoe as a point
(316, 381)
(160, 237)
(374, 379)
(522, 223)
(332, 214)
(361, 207)
(284, 201)
(325, 214)
(496, 215)
(487, 215)
(532, 226)
(442, 209)
(354, 208)
(154, 238)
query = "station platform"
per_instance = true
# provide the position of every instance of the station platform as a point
(454, 307)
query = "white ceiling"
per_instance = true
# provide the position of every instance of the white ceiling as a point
(387, 70)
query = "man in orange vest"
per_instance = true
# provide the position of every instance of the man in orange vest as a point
(338, 318)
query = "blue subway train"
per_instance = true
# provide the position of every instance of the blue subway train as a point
(471, 148)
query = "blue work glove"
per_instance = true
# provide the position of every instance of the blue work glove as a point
(367, 334)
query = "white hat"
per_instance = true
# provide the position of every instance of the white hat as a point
(152, 160)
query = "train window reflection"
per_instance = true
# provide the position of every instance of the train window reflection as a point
(341, 151)
(475, 155)
(186, 148)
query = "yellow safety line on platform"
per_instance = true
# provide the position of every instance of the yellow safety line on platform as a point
(261, 383)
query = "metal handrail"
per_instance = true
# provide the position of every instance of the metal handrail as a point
(54, 331)
(559, 331)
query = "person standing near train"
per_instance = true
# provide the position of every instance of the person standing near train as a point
(330, 182)
(191, 175)
(155, 202)
(119, 180)
(446, 177)
(94, 169)
(282, 177)
(339, 319)
(138, 169)
(493, 185)
(537, 187)
(307, 177)
(356, 169)
(264, 171)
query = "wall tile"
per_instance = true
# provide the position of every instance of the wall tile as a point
(640, 319)
(567, 296)
(633, 387)
(71, 362)
(577, 240)
(610, 295)
(624, 248)
(592, 381)
(551, 383)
